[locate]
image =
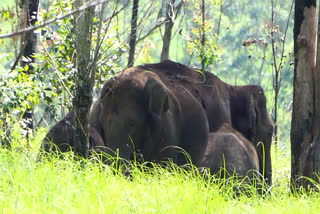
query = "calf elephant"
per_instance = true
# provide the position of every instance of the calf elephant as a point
(229, 152)
(138, 113)
(60, 137)
(242, 106)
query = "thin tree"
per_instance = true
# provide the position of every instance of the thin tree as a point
(220, 17)
(28, 46)
(133, 34)
(166, 39)
(303, 87)
(278, 64)
(171, 11)
(203, 35)
(83, 96)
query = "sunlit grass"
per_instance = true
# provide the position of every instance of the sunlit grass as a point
(68, 186)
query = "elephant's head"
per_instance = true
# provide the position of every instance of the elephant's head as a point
(129, 114)
(60, 137)
(251, 118)
(230, 150)
(263, 132)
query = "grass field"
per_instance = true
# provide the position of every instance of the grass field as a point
(67, 186)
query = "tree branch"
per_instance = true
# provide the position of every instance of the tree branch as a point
(151, 30)
(90, 4)
(56, 70)
(117, 12)
(20, 53)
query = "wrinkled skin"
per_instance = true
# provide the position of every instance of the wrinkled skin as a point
(230, 150)
(137, 113)
(60, 137)
(242, 106)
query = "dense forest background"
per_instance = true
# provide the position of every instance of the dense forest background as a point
(238, 50)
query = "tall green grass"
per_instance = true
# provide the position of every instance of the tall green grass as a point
(68, 186)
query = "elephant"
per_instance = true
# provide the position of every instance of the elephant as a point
(158, 110)
(60, 137)
(139, 114)
(229, 153)
(244, 107)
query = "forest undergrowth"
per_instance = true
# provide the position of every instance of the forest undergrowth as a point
(88, 186)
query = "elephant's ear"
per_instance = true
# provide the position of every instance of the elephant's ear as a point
(157, 95)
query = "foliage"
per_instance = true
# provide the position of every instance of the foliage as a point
(57, 57)
(18, 91)
(207, 52)
(59, 41)
(19, 88)
(48, 89)
(276, 45)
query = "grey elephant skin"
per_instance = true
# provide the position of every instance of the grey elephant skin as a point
(159, 110)
(229, 153)
(244, 107)
(60, 137)
(140, 113)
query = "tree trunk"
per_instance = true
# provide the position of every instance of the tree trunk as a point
(133, 35)
(168, 31)
(220, 18)
(28, 46)
(83, 96)
(275, 79)
(315, 151)
(203, 36)
(303, 92)
(30, 38)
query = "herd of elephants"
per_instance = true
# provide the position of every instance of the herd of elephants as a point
(159, 110)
